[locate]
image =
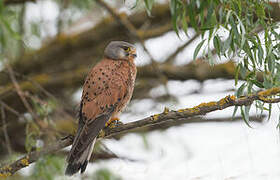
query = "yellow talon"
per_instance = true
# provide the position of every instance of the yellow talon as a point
(166, 110)
(113, 122)
(102, 133)
(155, 117)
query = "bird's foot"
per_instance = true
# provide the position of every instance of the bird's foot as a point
(113, 122)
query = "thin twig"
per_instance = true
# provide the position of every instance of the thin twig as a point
(165, 116)
(9, 108)
(6, 135)
(171, 58)
(21, 95)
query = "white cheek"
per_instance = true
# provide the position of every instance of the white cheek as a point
(121, 54)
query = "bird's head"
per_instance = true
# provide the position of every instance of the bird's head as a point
(120, 50)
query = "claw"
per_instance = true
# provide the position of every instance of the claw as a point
(113, 122)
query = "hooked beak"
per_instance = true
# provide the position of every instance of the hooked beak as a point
(133, 53)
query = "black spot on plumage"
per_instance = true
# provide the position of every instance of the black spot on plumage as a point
(100, 69)
(103, 82)
(103, 73)
(88, 86)
(99, 78)
(119, 99)
(92, 82)
(101, 107)
(95, 94)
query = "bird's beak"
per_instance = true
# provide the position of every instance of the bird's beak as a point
(133, 53)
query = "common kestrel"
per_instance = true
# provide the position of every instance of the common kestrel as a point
(106, 92)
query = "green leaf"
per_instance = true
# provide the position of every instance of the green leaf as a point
(191, 10)
(269, 111)
(234, 111)
(210, 57)
(175, 26)
(257, 83)
(135, 5)
(267, 83)
(245, 114)
(260, 54)
(7, 25)
(278, 125)
(197, 49)
(149, 6)
(260, 10)
(217, 45)
(271, 62)
(184, 22)
(174, 15)
(226, 44)
(240, 90)
(210, 11)
(243, 70)
(236, 74)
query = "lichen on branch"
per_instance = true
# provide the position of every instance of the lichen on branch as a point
(165, 116)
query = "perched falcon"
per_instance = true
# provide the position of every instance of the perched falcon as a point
(106, 92)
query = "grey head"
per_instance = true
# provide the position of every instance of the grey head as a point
(120, 50)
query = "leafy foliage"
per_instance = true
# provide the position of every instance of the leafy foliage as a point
(9, 35)
(241, 20)
(48, 167)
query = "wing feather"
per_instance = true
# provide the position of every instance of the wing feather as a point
(104, 89)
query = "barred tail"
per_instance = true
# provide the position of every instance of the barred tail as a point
(79, 163)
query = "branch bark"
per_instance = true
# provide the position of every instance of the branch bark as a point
(165, 116)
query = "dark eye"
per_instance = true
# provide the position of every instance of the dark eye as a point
(127, 49)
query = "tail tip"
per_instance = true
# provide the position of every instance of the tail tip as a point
(74, 168)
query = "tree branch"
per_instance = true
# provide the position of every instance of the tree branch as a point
(6, 135)
(166, 116)
(21, 95)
